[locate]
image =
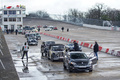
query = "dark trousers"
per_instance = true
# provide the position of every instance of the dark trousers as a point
(25, 53)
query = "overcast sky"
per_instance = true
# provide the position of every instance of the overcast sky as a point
(59, 6)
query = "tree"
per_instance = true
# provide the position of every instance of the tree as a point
(73, 15)
(96, 12)
(39, 14)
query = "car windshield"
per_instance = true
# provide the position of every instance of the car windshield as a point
(33, 40)
(78, 56)
(37, 34)
(70, 45)
(57, 48)
(51, 42)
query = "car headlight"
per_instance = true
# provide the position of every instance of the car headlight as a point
(73, 63)
(90, 62)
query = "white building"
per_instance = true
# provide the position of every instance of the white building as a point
(12, 17)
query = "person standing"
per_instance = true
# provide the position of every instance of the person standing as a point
(7, 31)
(96, 49)
(76, 47)
(25, 50)
(62, 29)
(67, 29)
(16, 31)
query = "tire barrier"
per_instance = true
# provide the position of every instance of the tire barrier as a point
(84, 44)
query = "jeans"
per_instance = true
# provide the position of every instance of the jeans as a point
(96, 55)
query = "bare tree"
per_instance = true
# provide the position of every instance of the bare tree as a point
(39, 14)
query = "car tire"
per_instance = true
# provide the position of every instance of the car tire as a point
(90, 70)
(42, 54)
(48, 56)
(64, 65)
(52, 57)
(69, 70)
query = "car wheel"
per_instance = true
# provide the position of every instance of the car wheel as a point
(90, 70)
(64, 65)
(69, 70)
(52, 56)
(42, 54)
(48, 56)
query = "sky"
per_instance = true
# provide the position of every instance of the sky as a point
(59, 6)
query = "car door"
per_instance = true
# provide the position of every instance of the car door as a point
(93, 58)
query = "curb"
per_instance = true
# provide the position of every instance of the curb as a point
(84, 44)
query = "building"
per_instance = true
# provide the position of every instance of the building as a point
(12, 17)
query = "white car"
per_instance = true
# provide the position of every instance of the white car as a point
(48, 29)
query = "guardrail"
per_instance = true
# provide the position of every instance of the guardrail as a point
(84, 44)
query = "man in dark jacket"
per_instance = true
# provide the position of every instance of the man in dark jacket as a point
(96, 49)
(76, 47)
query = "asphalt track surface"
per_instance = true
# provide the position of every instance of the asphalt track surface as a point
(107, 68)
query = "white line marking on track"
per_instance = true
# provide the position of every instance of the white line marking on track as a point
(1, 52)
(2, 64)
(1, 46)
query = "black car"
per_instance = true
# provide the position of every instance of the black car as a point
(45, 46)
(77, 61)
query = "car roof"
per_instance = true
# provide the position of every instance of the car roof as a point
(72, 52)
(49, 41)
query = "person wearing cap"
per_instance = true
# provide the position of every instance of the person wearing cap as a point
(96, 49)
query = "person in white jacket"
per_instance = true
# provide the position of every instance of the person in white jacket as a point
(25, 49)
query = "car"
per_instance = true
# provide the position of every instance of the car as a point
(77, 61)
(55, 28)
(20, 31)
(34, 30)
(44, 47)
(55, 52)
(48, 29)
(26, 28)
(29, 38)
(45, 26)
(26, 34)
(70, 47)
(30, 35)
(32, 42)
(51, 27)
(38, 36)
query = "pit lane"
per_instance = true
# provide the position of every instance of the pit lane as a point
(108, 66)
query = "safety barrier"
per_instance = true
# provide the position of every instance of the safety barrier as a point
(84, 44)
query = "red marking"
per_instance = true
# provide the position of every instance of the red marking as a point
(100, 48)
(68, 40)
(91, 46)
(81, 43)
(107, 50)
(86, 44)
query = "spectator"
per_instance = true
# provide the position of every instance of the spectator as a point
(76, 46)
(96, 49)
(67, 29)
(16, 31)
(62, 29)
(7, 31)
